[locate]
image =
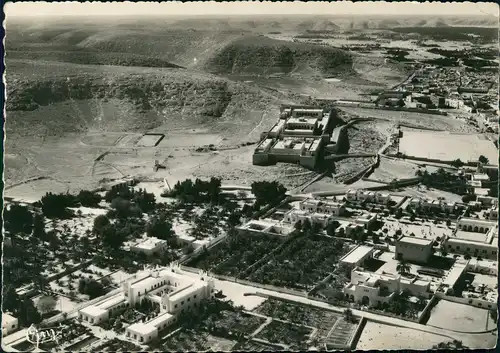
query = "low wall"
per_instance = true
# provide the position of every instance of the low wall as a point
(432, 160)
(69, 270)
(426, 313)
(357, 334)
(259, 285)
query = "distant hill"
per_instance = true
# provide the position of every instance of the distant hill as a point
(261, 55)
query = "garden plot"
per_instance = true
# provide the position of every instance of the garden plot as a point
(301, 263)
(239, 323)
(117, 345)
(235, 254)
(377, 336)
(460, 317)
(287, 333)
(255, 346)
(310, 316)
(189, 341)
(68, 284)
(341, 334)
(447, 146)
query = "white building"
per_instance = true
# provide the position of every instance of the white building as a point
(323, 206)
(357, 256)
(368, 196)
(429, 205)
(170, 289)
(150, 246)
(372, 289)
(414, 249)
(474, 243)
(475, 225)
(9, 324)
(366, 220)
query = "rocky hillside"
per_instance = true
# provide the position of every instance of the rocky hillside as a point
(262, 56)
(123, 99)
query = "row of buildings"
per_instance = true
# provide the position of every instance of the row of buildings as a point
(298, 137)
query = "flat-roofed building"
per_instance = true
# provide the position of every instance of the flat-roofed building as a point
(301, 123)
(413, 249)
(487, 200)
(9, 324)
(144, 332)
(475, 225)
(374, 289)
(474, 243)
(481, 191)
(102, 310)
(150, 246)
(480, 177)
(323, 206)
(366, 220)
(270, 227)
(170, 289)
(357, 256)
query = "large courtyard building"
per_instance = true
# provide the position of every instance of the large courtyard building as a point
(169, 289)
(298, 137)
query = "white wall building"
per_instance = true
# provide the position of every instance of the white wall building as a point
(369, 288)
(323, 206)
(172, 290)
(368, 196)
(357, 256)
(150, 246)
(9, 324)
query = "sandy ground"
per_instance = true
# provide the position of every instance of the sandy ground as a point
(69, 163)
(460, 317)
(390, 169)
(445, 146)
(377, 336)
(424, 229)
(434, 194)
(440, 122)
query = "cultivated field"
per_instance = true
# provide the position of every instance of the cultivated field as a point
(234, 255)
(301, 263)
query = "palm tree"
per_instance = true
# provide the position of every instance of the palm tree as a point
(348, 315)
(403, 267)
(467, 256)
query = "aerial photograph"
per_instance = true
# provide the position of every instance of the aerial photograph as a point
(250, 176)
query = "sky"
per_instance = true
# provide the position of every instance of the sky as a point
(46, 9)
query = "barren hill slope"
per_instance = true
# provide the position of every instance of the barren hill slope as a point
(83, 98)
(261, 55)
